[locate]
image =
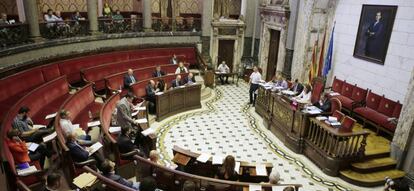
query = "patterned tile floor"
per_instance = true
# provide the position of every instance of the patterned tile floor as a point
(227, 125)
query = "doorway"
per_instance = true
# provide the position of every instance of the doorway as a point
(226, 53)
(273, 54)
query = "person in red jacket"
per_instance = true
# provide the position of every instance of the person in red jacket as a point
(21, 154)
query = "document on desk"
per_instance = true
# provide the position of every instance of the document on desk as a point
(330, 118)
(261, 170)
(148, 131)
(84, 180)
(94, 123)
(288, 92)
(95, 147)
(237, 167)
(159, 93)
(142, 120)
(334, 94)
(135, 113)
(49, 137)
(313, 111)
(26, 171)
(217, 159)
(50, 116)
(39, 126)
(33, 146)
(321, 118)
(114, 130)
(255, 187)
(278, 188)
(203, 157)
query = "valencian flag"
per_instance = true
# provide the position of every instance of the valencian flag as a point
(313, 69)
(328, 59)
(322, 54)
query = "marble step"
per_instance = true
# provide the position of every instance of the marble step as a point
(370, 179)
(373, 165)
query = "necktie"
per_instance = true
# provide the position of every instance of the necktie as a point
(132, 79)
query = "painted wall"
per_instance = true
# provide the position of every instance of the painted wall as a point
(393, 77)
(8, 6)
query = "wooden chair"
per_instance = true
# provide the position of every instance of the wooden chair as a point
(339, 115)
(336, 105)
(347, 124)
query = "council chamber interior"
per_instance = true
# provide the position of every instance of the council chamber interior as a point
(207, 95)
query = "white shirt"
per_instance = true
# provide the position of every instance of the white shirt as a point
(66, 126)
(178, 71)
(223, 68)
(255, 78)
(304, 97)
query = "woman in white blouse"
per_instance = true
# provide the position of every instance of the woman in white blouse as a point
(181, 68)
(305, 96)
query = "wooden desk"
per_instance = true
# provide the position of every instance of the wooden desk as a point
(178, 100)
(232, 75)
(247, 171)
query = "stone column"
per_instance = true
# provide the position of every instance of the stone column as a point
(243, 8)
(207, 17)
(400, 146)
(20, 10)
(92, 6)
(30, 10)
(147, 15)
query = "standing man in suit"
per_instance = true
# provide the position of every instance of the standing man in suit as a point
(254, 81)
(177, 82)
(174, 60)
(296, 87)
(124, 111)
(189, 79)
(158, 72)
(129, 79)
(375, 37)
(151, 89)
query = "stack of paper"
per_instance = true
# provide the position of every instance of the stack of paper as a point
(217, 159)
(94, 123)
(50, 116)
(26, 171)
(278, 188)
(135, 113)
(321, 118)
(148, 131)
(50, 137)
(288, 92)
(95, 147)
(261, 170)
(159, 93)
(237, 167)
(114, 130)
(143, 120)
(39, 126)
(203, 157)
(32, 146)
(334, 94)
(330, 118)
(84, 180)
(255, 187)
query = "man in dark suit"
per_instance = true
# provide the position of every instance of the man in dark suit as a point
(108, 170)
(177, 82)
(324, 103)
(296, 87)
(151, 89)
(125, 143)
(189, 79)
(129, 79)
(158, 72)
(81, 154)
(375, 37)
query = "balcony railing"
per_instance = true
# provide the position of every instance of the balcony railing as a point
(64, 29)
(189, 24)
(14, 34)
(108, 25)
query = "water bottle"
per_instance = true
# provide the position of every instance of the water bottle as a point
(90, 115)
(120, 88)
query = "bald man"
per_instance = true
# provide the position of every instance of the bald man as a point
(129, 79)
(177, 82)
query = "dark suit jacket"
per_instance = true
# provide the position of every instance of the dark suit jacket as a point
(299, 88)
(78, 153)
(150, 93)
(174, 84)
(186, 80)
(325, 107)
(155, 74)
(119, 180)
(128, 81)
(172, 61)
(125, 144)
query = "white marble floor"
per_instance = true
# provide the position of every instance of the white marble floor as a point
(226, 125)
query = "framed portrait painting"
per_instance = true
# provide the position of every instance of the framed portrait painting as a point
(374, 32)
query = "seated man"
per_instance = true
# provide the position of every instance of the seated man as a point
(174, 60)
(181, 68)
(68, 128)
(3, 19)
(125, 143)
(129, 79)
(80, 153)
(158, 72)
(50, 18)
(21, 154)
(189, 79)
(53, 182)
(324, 103)
(77, 17)
(151, 90)
(177, 82)
(24, 124)
(224, 69)
(117, 17)
(296, 87)
(108, 170)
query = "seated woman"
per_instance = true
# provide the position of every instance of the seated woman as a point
(324, 103)
(278, 81)
(227, 172)
(108, 170)
(181, 68)
(305, 96)
(21, 154)
(80, 153)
